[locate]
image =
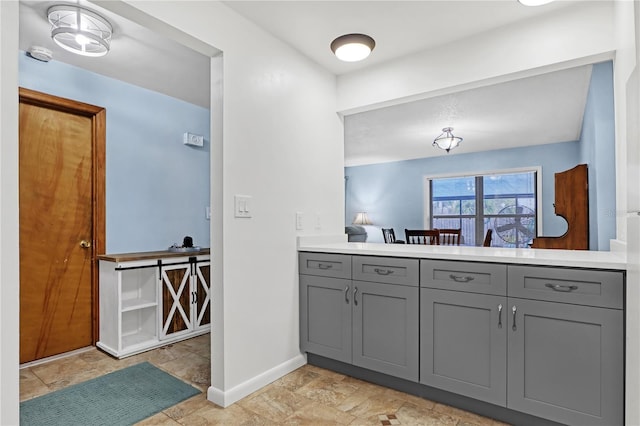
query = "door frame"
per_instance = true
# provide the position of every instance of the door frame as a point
(98, 198)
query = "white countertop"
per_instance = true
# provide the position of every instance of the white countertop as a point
(571, 258)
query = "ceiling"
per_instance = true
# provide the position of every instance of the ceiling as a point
(137, 56)
(522, 112)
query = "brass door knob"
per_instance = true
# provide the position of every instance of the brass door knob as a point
(85, 244)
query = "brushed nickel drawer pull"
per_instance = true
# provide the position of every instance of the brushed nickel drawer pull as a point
(562, 288)
(325, 266)
(500, 316)
(459, 279)
(346, 294)
(383, 271)
(355, 292)
(513, 327)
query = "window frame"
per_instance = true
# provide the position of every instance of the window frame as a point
(532, 169)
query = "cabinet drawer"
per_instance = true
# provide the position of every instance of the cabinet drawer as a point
(576, 286)
(389, 270)
(485, 278)
(325, 265)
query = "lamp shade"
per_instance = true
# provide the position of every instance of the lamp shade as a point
(361, 219)
(352, 47)
(446, 140)
(79, 30)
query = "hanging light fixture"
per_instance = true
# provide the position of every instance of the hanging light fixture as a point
(446, 140)
(79, 30)
(352, 47)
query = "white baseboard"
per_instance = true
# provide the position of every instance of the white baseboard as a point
(226, 398)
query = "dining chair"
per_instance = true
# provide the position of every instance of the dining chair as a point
(422, 236)
(450, 237)
(390, 236)
(487, 238)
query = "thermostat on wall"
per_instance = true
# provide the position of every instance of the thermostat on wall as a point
(191, 139)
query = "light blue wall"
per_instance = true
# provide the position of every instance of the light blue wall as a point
(597, 149)
(156, 187)
(393, 193)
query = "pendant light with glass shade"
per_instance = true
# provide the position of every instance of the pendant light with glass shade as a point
(447, 140)
(79, 30)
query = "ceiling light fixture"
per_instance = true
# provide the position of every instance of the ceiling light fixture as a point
(79, 30)
(352, 47)
(534, 2)
(446, 140)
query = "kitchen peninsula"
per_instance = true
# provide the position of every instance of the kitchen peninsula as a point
(521, 335)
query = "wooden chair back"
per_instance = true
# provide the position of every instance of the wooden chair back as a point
(450, 237)
(389, 235)
(422, 236)
(487, 238)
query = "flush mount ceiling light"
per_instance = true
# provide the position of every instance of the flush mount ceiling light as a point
(446, 140)
(79, 30)
(352, 47)
(534, 2)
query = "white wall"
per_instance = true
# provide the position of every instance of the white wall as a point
(573, 33)
(282, 145)
(9, 296)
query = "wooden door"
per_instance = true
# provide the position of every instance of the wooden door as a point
(176, 299)
(202, 289)
(61, 223)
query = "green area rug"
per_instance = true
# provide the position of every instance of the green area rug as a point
(122, 397)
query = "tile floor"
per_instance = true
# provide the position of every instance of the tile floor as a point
(307, 396)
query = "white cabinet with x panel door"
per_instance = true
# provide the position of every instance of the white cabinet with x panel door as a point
(152, 299)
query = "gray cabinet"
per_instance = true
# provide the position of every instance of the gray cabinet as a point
(463, 345)
(566, 360)
(385, 328)
(325, 317)
(371, 322)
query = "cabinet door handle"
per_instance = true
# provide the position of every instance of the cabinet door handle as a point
(562, 288)
(325, 266)
(195, 296)
(513, 327)
(500, 316)
(459, 279)
(355, 292)
(383, 271)
(346, 295)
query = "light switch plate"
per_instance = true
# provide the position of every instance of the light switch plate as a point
(299, 221)
(242, 206)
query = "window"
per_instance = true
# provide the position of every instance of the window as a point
(505, 202)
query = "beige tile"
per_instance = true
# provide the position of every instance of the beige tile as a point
(234, 415)
(463, 415)
(30, 385)
(323, 371)
(375, 405)
(275, 404)
(410, 414)
(296, 379)
(413, 399)
(328, 390)
(64, 370)
(318, 414)
(191, 368)
(188, 407)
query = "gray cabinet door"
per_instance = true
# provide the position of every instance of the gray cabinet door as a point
(463, 345)
(385, 328)
(566, 362)
(325, 317)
